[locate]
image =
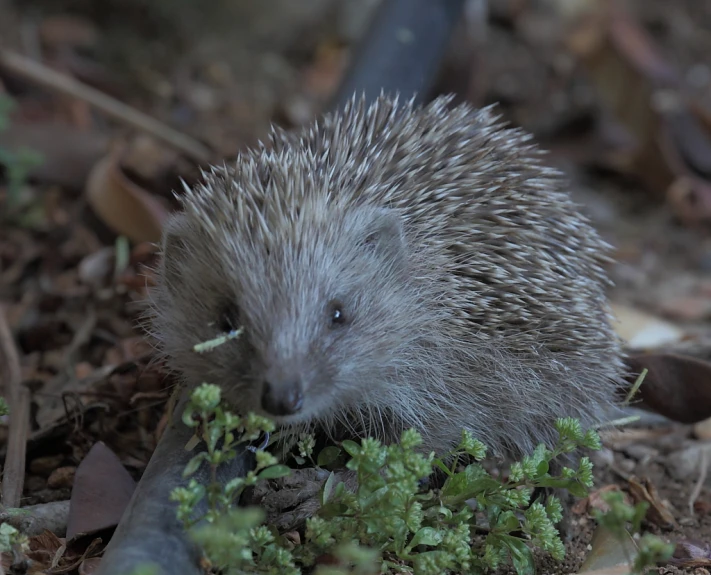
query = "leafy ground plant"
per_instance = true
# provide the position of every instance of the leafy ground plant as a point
(474, 523)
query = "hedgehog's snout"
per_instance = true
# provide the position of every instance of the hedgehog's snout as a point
(282, 398)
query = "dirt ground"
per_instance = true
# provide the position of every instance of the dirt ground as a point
(73, 288)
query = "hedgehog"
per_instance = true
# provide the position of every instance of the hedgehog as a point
(393, 265)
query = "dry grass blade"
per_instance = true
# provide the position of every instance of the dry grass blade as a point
(19, 402)
(53, 80)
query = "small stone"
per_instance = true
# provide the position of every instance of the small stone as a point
(685, 463)
(702, 429)
(603, 457)
(61, 477)
(642, 453)
(45, 465)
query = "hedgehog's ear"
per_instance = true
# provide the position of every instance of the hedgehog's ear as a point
(173, 250)
(384, 234)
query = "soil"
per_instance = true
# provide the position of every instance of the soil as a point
(73, 293)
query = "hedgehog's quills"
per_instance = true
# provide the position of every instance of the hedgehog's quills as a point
(393, 266)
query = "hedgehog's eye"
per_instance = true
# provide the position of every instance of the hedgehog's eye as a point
(229, 319)
(336, 315)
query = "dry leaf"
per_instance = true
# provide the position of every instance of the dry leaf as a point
(63, 31)
(644, 490)
(672, 149)
(690, 553)
(89, 566)
(61, 477)
(124, 206)
(641, 330)
(101, 492)
(702, 429)
(676, 386)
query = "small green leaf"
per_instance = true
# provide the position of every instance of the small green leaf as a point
(468, 483)
(521, 555)
(194, 464)
(328, 455)
(557, 483)
(351, 447)
(368, 500)
(426, 536)
(333, 510)
(507, 522)
(542, 468)
(440, 465)
(233, 484)
(578, 489)
(188, 418)
(274, 472)
(327, 488)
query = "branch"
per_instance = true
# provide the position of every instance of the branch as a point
(46, 77)
(19, 403)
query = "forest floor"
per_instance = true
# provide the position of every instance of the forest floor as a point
(73, 266)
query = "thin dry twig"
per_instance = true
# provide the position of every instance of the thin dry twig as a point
(704, 467)
(18, 398)
(42, 75)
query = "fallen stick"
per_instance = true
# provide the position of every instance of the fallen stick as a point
(34, 519)
(149, 532)
(18, 399)
(46, 77)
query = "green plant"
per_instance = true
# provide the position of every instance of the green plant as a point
(475, 522)
(11, 537)
(17, 164)
(213, 424)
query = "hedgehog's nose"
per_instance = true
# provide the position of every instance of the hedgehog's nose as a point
(283, 399)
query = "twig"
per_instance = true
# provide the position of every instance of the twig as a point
(45, 76)
(704, 465)
(34, 519)
(19, 403)
(149, 531)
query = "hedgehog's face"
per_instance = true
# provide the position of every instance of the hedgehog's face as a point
(324, 307)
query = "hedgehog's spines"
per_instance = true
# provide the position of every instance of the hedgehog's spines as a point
(508, 275)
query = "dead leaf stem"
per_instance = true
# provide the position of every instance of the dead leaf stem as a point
(44, 76)
(18, 398)
(703, 471)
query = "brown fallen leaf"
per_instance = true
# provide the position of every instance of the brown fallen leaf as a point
(46, 551)
(691, 553)
(595, 500)
(123, 205)
(676, 386)
(61, 477)
(101, 492)
(702, 429)
(64, 31)
(671, 153)
(641, 330)
(89, 566)
(702, 507)
(658, 513)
